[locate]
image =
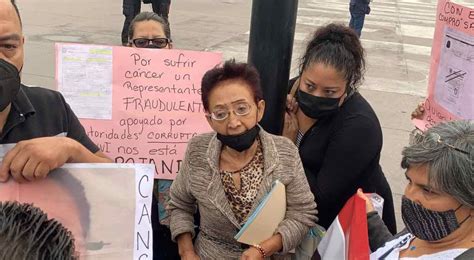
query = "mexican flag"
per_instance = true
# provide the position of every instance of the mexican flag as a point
(347, 237)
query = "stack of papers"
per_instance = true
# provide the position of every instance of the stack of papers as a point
(263, 222)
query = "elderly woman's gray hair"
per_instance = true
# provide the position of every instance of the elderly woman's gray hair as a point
(447, 150)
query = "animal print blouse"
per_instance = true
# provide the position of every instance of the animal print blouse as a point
(251, 175)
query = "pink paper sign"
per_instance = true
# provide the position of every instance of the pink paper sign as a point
(156, 107)
(451, 79)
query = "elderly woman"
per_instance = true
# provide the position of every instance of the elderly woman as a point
(227, 172)
(438, 203)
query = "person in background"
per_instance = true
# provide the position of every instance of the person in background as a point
(358, 10)
(149, 30)
(162, 8)
(226, 173)
(438, 204)
(337, 132)
(130, 8)
(27, 233)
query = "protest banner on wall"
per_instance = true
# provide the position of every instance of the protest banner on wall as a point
(106, 207)
(137, 105)
(451, 79)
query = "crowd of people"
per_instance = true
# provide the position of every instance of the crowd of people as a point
(329, 150)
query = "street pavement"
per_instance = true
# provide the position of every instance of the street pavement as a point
(397, 37)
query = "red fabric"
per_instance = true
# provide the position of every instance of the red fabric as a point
(353, 220)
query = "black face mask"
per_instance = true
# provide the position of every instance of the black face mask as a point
(317, 107)
(9, 83)
(240, 142)
(426, 224)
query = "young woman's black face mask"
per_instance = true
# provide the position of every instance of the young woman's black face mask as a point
(317, 107)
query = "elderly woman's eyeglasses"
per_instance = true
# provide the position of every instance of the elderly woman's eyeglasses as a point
(144, 42)
(239, 109)
(429, 141)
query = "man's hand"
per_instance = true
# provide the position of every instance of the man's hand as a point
(34, 159)
(251, 254)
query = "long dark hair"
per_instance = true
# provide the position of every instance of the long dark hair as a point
(338, 46)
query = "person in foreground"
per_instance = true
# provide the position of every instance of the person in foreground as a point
(27, 233)
(337, 131)
(45, 130)
(438, 203)
(227, 172)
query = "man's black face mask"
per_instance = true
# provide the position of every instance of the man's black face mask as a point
(9, 83)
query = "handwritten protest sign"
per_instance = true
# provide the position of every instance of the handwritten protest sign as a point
(451, 79)
(156, 104)
(143, 236)
(107, 207)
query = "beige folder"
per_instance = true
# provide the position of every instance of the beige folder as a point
(263, 222)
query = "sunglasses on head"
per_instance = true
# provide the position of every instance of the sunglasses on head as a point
(144, 42)
(429, 141)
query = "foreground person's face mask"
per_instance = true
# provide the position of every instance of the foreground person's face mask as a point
(9, 83)
(426, 224)
(317, 107)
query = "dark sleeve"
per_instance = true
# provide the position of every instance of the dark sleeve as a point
(76, 131)
(378, 232)
(352, 148)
